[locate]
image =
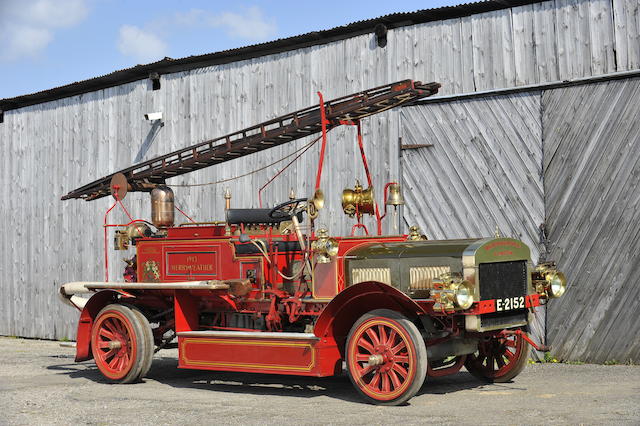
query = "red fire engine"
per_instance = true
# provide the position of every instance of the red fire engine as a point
(264, 291)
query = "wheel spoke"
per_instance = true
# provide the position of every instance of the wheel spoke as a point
(106, 325)
(402, 358)
(366, 370)
(392, 337)
(500, 361)
(400, 370)
(397, 348)
(362, 358)
(394, 379)
(510, 355)
(109, 354)
(491, 363)
(375, 381)
(120, 328)
(362, 342)
(106, 333)
(383, 334)
(510, 343)
(114, 362)
(386, 385)
(103, 344)
(125, 359)
(373, 336)
(481, 358)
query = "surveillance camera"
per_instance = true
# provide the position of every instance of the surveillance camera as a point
(153, 116)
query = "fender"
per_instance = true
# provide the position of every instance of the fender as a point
(343, 311)
(89, 313)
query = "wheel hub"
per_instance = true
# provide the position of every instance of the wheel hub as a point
(376, 359)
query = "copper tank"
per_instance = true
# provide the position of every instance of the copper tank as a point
(162, 207)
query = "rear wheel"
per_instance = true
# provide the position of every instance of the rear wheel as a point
(149, 346)
(499, 358)
(119, 344)
(386, 357)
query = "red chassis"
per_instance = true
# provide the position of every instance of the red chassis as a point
(254, 293)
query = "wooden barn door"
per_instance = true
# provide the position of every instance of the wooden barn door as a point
(482, 170)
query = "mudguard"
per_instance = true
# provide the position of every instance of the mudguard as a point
(89, 313)
(343, 311)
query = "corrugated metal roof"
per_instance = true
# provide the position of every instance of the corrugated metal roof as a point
(169, 65)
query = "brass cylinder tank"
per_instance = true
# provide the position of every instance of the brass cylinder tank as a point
(162, 207)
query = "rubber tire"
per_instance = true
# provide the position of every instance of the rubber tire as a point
(520, 364)
(137, 336)
(413, 334)
(149, 345)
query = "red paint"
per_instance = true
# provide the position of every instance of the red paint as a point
(304, 357)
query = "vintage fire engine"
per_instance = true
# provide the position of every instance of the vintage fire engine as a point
(264, 291)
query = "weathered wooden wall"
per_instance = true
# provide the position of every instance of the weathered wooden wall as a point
(56, 146)
(592, 196)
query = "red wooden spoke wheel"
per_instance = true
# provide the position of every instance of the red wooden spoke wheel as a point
(386, 357)
(118, 344)
(499, 358)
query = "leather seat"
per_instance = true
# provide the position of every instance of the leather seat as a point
(252, 217)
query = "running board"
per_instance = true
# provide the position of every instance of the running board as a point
(250, 334)
(259, 352)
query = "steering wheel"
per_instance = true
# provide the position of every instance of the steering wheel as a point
(288, 209)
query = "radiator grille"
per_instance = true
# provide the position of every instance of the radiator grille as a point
(421, 277)
(502, 279)
(360, 275)
(498, 281)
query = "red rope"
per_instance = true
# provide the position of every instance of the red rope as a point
(184, 214)
(324, 121)
(284, 168)
(369, 180)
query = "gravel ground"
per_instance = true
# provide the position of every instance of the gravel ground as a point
(40, 384)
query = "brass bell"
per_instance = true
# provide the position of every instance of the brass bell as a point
(394, 198)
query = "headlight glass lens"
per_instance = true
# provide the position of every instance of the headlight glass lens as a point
(463, 296)
(556, 284)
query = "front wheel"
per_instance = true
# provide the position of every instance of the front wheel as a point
(386, 357)
(499, 358)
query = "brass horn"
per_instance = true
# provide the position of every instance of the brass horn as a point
(315, 204)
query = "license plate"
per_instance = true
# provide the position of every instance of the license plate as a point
(510, 303)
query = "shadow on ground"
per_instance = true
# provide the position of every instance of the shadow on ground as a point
(165, 370)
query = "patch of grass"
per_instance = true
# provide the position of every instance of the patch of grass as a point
(574, 362)
(547, 359)
(64, 339)
(611, 362)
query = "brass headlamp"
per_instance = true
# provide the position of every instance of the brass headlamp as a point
(451, 291)
(548, 281)
(324, 247)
